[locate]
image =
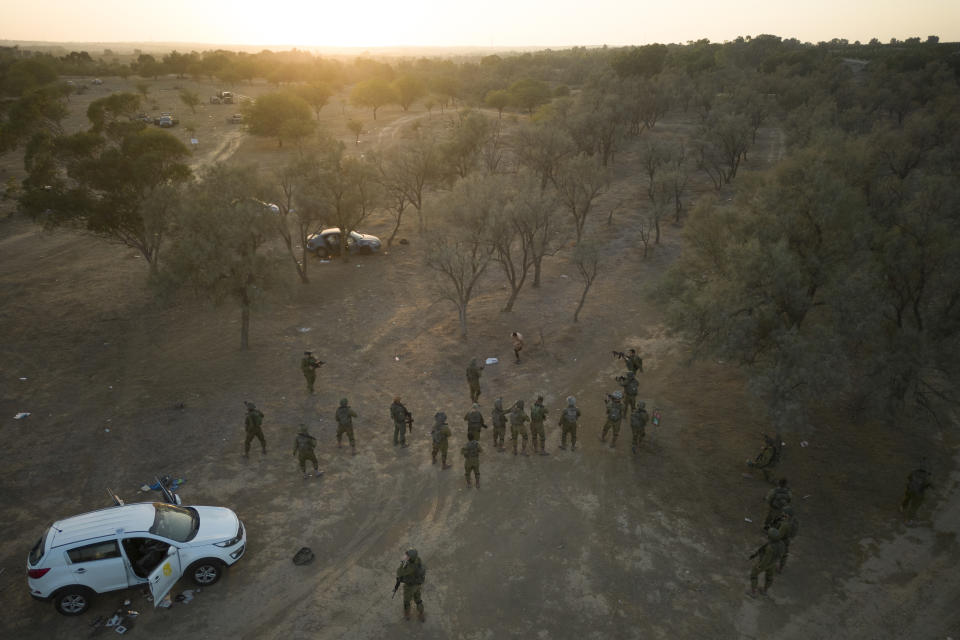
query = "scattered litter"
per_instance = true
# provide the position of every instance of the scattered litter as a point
(120, 629)
(133, 614)
(187, 595)
(397, 358)
(359, 265)
(324, 261)
(96, 623)
(166, 603)
(126, 603)
(804, 443)
(491, 361)
(303, 329)
(563, 275)
(303, 556)
(748, 520)
(21, 415)
(23, 379)
(807, 496)
(180, 598)
(112, 621)
(106, 430)
(144, 487)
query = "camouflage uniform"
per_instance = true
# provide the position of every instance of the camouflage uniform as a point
(518, 426)
(538, 413)
(399, 414)
(769, 456)
(473, 379)
(776, 499)
(499, 419)
(440, 436)
(568, 424)
(412, 574)
(614, 416)
(308, 365)
(788, 526)
(344, 417)
(471, 460)
(630, 389)
(768, 557)
(917, 483)
(638, 424)
(475, 423)
(303, 450)
(252, 424)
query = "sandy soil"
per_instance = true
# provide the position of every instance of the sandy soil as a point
(593, 544)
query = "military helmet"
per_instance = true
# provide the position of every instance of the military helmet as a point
(539, 396)
(396, 398)
(571, 401)
(618, 395)
(498, 403)
(303, 428)
(249, 404)
(788, 509)
(412, 554)
(343, 402)
(440, 415)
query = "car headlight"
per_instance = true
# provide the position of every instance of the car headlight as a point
(232, 541)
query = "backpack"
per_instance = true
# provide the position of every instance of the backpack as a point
(437, 435)
(538, 412)
(632, 387)
(613, 411)
(570, 415)
(781, 498)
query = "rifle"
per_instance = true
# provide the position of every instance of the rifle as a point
(757, 552)
(408, 419)
(316, 365)
(619, 354)
(397, 585)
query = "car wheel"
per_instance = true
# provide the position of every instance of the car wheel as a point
(72, 601)
(205, 572)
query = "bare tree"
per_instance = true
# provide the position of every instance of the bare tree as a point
(409, 168)
(461, 254)
(541, 148)
(645, 232)
(579, 182)
(653, 155)
(345, 187)
(586, 258)
(510, 247)
(299, 213)
(537, 215)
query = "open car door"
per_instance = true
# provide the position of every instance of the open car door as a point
(165, 575)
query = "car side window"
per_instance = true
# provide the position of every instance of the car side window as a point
(95, 551)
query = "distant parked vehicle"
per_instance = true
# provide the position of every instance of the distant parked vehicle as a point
(236, 118)
(222, 97)
(166, 120)
(327, 243)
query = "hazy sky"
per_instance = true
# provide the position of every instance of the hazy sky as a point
(371, 23)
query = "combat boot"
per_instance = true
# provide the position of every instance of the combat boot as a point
(434, 459)
(406, 613)
(469, 483)
(478, 482)
(445, 466)
(422, 616)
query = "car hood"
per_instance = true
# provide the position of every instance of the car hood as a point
(216, 524)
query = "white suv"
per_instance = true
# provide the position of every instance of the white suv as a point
(149, 543)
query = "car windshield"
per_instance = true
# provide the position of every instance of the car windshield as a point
(37, 552)
(175, 523)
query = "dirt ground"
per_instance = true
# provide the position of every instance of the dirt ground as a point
(591, 544)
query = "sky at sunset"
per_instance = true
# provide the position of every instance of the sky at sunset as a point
(374, 23)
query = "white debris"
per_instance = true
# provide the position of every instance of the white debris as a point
(303, 329)
(107, 430)
(21, 415)
(748, 520)
(804, 443)
(491, 361)
(23, 379)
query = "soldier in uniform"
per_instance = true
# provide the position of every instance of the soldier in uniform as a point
(789, 526)
(614, 416)
(309, 366)
(769, 457)
(499, 419)
(252, 424)
(518, 426)
(917, 483)
(638, 424)
(630, 389)
(399, 414)
(412, 573)
(471, 459)
(475, 423)
(568, 424)
(634, 362)
(768, 556)
(303, 450)
(776, 499)
(473, 379)
(440, 435)
(344, 417)
(538, 413)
